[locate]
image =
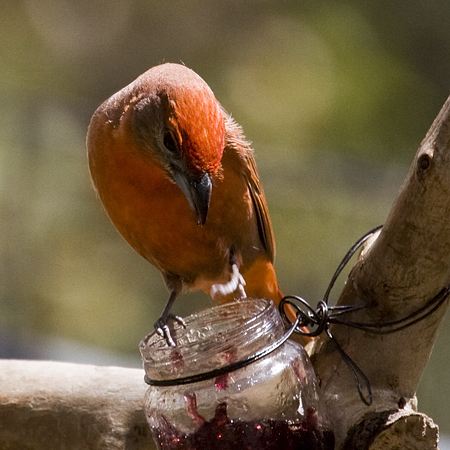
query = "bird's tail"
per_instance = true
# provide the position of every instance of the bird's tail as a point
(261, 282)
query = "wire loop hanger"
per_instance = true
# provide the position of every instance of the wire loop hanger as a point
(318, 320)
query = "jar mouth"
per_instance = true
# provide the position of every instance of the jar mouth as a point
(213, 338)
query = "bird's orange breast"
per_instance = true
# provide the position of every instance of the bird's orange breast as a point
(154, 217)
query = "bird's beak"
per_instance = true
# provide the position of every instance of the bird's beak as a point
(197, 192)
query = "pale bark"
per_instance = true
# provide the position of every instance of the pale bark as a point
(407, 265)
(46, 405)
(59, 406)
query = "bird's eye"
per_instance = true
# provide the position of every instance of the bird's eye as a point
(170, 142)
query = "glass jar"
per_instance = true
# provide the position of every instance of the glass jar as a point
(271, 403)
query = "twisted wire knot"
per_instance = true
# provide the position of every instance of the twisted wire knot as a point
(312, 322)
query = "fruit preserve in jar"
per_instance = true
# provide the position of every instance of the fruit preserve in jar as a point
(199, 400)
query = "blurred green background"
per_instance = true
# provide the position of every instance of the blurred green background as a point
(335, 96)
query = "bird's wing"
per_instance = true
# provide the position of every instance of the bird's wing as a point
(262, 212)
(237, 142)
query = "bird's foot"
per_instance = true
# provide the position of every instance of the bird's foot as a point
(162, 328)
(236, 284)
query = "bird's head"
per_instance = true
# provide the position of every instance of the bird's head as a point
(179, 120)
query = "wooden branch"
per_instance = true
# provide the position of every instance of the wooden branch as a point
(45, 405)
(48, 405)
(407, 265)
(404, 429)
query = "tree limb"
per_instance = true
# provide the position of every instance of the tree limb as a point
(48, 405)
(407, 265)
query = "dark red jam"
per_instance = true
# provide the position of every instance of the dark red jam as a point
(223, 433)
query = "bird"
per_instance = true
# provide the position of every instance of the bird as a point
(178, 180)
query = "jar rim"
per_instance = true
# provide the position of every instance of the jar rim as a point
(228, 329)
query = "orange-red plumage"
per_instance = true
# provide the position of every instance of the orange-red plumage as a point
(179, 181)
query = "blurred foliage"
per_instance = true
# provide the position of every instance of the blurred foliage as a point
(336, 98)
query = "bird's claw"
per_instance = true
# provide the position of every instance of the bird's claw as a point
(236, 284)
(162, 328)
(164, 332)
